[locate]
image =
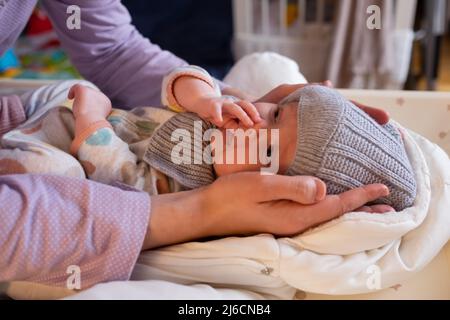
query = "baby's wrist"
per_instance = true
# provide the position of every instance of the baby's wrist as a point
(202, 102)
(85, 126)
(183, 88)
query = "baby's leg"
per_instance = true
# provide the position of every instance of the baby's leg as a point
(41, 146)
(108, 159)
(105, 157)
(37, 102)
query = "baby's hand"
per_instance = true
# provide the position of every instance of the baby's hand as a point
(226, 112)
(89, 102)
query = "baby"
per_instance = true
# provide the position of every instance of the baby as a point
(318, 133)
(314, 131)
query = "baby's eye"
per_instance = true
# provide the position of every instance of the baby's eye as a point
(276, 113)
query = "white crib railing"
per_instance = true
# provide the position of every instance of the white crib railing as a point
(305, 35)
(264, 25)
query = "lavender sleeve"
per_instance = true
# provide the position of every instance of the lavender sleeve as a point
(12, 113)
(49, 223)
(109, 51)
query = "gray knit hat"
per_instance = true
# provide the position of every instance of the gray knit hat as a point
(196, 171)
(341, 145)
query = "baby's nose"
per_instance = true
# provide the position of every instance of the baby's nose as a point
(264, 112)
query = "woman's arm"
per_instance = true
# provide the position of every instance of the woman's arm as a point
(253, 206)
(49, 223)
(110, 52)
(12, 113)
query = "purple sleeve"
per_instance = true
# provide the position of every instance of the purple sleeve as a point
(11, 113)
(49, 223)
(110, 52)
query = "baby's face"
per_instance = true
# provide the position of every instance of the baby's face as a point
(282, 118)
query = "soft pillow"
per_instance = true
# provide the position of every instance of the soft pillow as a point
(258, 73)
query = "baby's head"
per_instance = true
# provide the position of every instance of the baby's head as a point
(343, 146)
(320, 134)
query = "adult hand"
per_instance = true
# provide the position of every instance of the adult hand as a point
(379, 115)
(230, 91)
(282, 91)
(250, 203)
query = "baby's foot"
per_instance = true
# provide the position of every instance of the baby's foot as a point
(89, 106)
(89, 102)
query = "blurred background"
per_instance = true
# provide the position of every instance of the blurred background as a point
(329, 39)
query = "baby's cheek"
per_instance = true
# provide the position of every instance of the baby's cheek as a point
(227, 169)
(237, 155)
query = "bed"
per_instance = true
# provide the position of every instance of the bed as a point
(427, 113)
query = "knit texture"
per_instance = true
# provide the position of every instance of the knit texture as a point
(197, 171)
(344, 147)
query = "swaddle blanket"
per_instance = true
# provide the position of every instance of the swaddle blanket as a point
(357, 253)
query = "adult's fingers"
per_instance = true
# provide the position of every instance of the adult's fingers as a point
(250, 109)
(328, 83)
(300, 189)
(377, 209)
(238, 112)
(336, 205)
(379, 115)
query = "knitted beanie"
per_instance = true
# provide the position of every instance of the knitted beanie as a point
(177, 156)
(341, 145)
